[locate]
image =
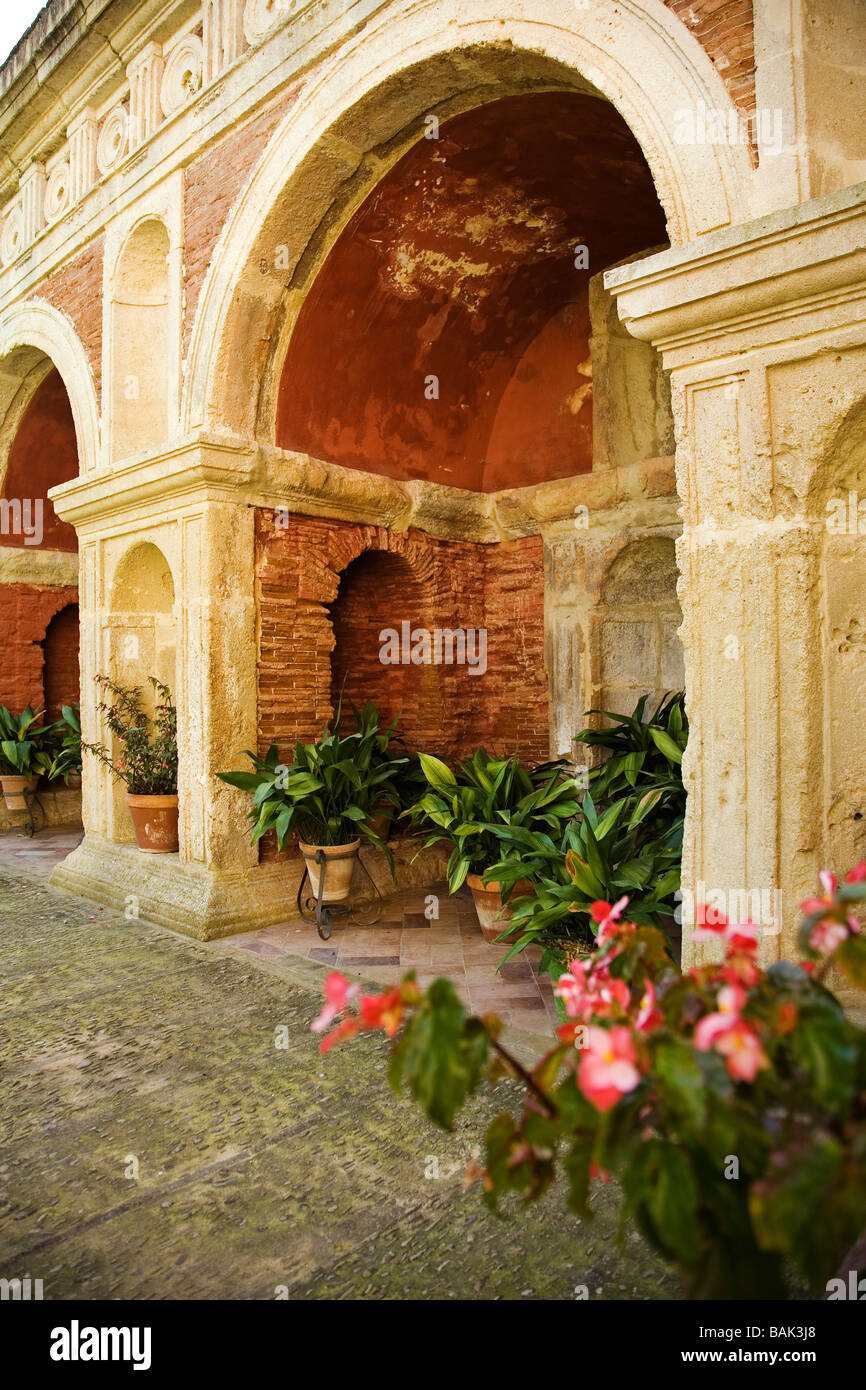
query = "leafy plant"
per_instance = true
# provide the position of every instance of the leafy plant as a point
(147, 761)
(492, 810)
(597, 858)
(66, 761)
(627, 838)
(25, 744)
(328, 791)
(729, 1102)
(644, 770)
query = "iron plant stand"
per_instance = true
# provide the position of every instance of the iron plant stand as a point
(32, 799)
(365, 909)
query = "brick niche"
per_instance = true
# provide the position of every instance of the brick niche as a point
(29, 610)
(326, 589)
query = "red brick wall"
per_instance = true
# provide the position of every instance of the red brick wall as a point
(28, 610)
(726, 30)
(60, 675)
(76, 290)
(433, 583)
(43, 454)
(211, 185)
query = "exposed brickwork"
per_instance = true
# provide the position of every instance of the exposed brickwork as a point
(726, 30)
(412, 577)
(28, 610)
(60, 676)
(211, 185)
(43, 453)
(76, 290)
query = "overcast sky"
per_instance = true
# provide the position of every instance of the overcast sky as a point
(15, 17)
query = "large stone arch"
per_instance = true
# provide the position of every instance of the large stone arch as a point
(34, 337)
(349, 123)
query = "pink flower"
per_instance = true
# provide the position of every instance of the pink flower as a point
(730, 1001)
(648, 1016)
(338, 992)
(607, 917)
(857, 874)
(827, 935)
(571, 989)
(607, 1068)
(741, 1048)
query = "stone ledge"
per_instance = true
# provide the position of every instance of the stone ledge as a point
(210, 903)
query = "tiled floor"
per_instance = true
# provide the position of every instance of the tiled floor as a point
(404, 939)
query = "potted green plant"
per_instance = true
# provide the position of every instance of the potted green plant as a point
(488, 811)
(386, 760)
(66, 762)
(146, 762)
(326, 796)
(24, 754)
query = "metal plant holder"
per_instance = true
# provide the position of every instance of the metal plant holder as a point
(364, 909)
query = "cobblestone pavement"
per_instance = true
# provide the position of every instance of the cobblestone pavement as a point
(127, 1048)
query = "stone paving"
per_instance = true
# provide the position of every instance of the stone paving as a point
(156, 1143)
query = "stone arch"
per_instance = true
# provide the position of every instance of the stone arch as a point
(35, 339)
(352, 122)
(640, 651)
(138, 380)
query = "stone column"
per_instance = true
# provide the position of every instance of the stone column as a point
(762, 329)
(144, 73)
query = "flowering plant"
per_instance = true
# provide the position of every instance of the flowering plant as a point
(729, 1101)
(147, 760)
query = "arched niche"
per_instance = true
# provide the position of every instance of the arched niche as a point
(379, 592)
(60, 669)
(42, 453)
(139, 343)
(142, 642)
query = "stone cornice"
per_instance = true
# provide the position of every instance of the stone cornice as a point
(217, 467)
(29, 565)
(742, 279)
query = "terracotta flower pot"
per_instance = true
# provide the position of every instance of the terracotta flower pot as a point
(379, 821)
(14, 787)
(492, 917)
(338, 874)
(154, 819)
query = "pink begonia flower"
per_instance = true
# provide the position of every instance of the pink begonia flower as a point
(736, 936)
(857, 874)
(338, 992)
(588, 989)
(729, 1003)
(648, 1016)
(607, 1068)
(741, 1048)
(607, 917)
(827, 935)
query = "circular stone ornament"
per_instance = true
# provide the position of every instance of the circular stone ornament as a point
(113, 139)
(12, 238)
(182, 76)
(261, 17)
(58, 191)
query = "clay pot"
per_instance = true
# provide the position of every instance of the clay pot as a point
(492, 917)
(154, 819)
(14, 787)
(379, 821)
(338, 874)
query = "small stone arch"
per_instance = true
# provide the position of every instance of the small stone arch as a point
(139, 336)
(60, 667)
(36, 339)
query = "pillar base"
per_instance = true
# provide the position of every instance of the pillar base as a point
(209, 903)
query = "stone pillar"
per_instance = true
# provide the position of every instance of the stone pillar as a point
(223, 35)
(144, 73)
(191, 509)
(82, 134)
(33, 201)
(759, 394)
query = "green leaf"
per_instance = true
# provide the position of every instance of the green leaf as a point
(665, 744)
(440, 1055)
